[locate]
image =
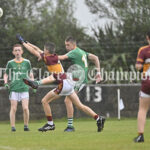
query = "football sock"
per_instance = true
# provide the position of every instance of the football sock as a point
(96, 117)
(13, 129)
(50, 120)
(25, 126)
(70, 122)
(39, 82)
(140, 133)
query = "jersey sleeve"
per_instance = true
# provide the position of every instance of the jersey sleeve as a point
(140, 57)
(87, 54)
(71, 55)
(30, 68)
(8, 67)
(42, 55)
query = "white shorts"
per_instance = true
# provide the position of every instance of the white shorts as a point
(65, 88)
(144, 95)
(18, 96)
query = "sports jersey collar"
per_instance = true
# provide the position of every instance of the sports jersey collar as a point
(22, 59)
(49, 54)
(75, 47)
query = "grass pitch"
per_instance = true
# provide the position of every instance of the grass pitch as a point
(117, 135)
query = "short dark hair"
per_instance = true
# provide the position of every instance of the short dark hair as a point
(17, 45)
(50, 47)
(148, 34)
(70, 39)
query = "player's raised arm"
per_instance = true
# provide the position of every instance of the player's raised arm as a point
(95, 60)
(30, 47)
(35, 47)
(31, 50)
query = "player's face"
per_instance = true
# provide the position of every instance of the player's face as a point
(70, 46)
(46, 52)
(17, 52)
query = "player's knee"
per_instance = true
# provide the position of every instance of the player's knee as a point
(25, 109)
(14, 109)
(66, 100)
(43, 101)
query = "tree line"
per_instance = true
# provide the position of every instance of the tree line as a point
(40, 21)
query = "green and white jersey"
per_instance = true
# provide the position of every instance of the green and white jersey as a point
(16, 71)
(79, 57)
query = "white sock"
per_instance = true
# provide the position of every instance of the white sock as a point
(50, 122)
(97, 118)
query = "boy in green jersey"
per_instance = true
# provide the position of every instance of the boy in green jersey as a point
(78, 57)
(16, 70)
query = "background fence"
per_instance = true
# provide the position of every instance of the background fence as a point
(101, 98)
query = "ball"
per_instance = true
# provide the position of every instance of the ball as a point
(1, 12)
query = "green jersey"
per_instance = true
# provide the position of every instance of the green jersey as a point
(79, 57)
(16, 71)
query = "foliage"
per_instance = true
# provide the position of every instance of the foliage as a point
(121, 38)
(37, 21)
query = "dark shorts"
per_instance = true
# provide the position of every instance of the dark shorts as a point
(145, 87)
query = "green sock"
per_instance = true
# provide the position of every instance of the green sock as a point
(70, 122)
(39, 82)
(25, 126)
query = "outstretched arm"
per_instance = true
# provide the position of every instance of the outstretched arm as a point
(33, 49)
(62, 57)
(95, 60)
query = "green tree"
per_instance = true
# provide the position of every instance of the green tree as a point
(121, 38)
(38, 21)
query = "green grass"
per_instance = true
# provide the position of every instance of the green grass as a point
(117, 135)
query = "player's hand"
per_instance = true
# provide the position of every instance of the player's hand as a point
(34, 90)
(98, 77)
(6, 86)
(20, 38)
